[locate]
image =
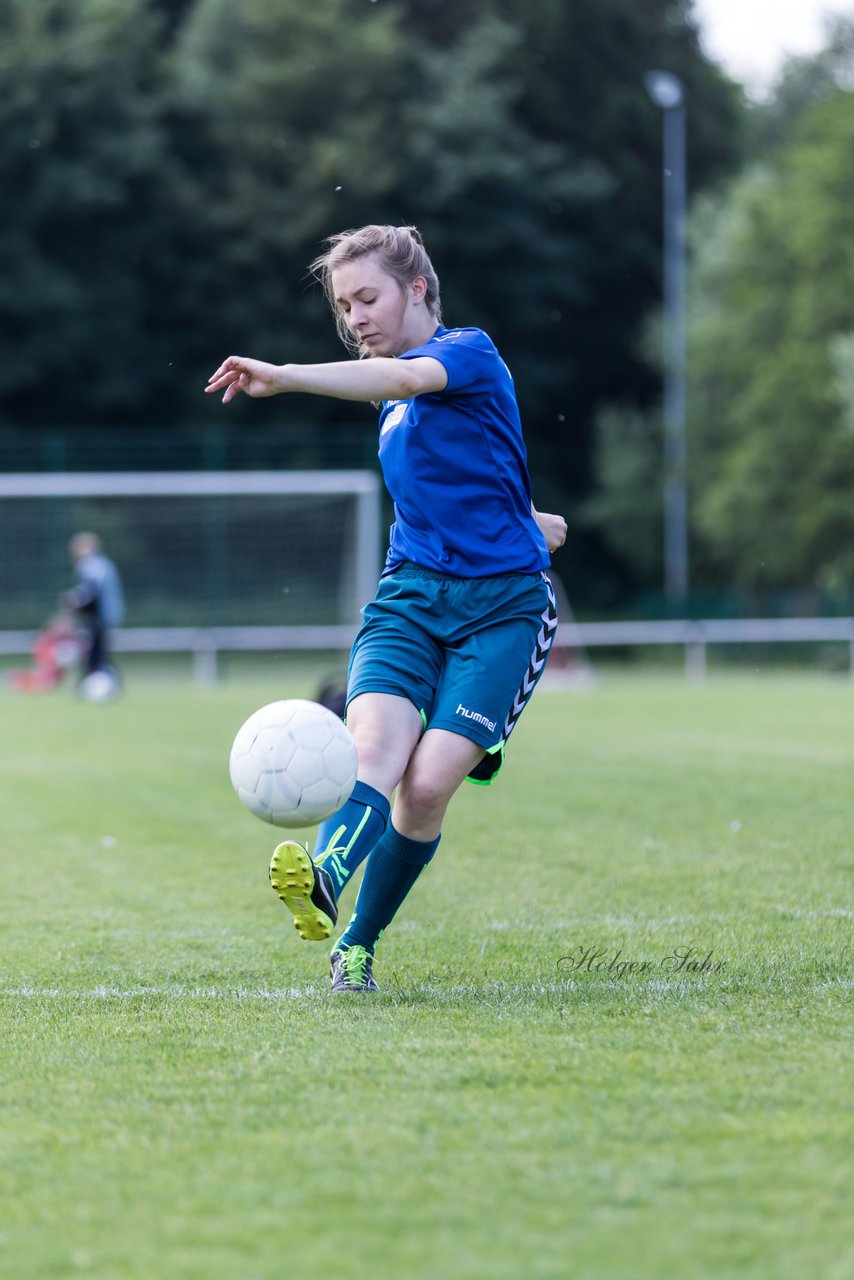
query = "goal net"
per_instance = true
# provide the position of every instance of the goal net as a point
(197, 549)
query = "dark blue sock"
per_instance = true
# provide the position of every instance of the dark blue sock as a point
(363, 818)
(393, 867)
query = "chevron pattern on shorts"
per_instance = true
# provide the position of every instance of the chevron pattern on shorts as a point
(545, 639)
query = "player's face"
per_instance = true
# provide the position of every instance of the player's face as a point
(386, 317)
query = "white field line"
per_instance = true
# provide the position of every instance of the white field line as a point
(284, 994)
(486, 991)
(174, 992)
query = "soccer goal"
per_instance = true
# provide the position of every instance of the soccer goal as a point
(295, 552)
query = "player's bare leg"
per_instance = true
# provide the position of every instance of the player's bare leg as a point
(386, 729)
(440, 763)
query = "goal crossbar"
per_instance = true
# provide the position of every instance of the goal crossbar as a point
(105, 484)
(199, 547)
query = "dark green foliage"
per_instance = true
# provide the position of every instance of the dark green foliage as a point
(772, 393)
(771, 348)
(81, 150)
(175, 166)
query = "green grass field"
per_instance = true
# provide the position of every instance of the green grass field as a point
(183, 1100)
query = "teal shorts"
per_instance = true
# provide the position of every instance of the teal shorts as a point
(466, 652)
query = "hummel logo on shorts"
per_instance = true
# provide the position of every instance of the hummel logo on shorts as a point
(476, 717)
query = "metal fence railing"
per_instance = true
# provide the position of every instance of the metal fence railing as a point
(694, 637)
(204, 644)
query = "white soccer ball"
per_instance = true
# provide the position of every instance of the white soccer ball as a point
(99, 686)
(293, 763)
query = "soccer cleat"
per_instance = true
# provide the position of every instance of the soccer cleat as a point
(305, 889)
(351, 970)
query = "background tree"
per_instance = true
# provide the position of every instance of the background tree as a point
(772, 443)
(770, 388)
(192, 154)
(81, 144)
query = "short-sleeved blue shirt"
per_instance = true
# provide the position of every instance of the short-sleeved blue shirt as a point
(455, 465)
(100, 588)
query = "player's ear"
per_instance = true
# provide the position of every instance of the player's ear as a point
(418, 289)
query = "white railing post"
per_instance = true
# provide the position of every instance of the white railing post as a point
(695, 653)
(205, 658)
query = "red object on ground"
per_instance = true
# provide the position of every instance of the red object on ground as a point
(56, 648)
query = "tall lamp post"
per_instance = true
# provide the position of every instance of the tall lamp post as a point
(668, 93)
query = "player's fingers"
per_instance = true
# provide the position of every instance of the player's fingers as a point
(233, 362)
(223, 380)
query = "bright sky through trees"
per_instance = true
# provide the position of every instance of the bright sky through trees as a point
(753, 37)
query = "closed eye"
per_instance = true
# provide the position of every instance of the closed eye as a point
(344, 307)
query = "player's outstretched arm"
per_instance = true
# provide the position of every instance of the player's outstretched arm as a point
(380, 378)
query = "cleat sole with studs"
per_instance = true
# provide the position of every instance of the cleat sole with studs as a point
(292, 878)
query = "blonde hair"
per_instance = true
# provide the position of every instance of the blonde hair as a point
(84, 544)
(401, 253)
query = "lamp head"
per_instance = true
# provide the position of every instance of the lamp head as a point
(666, 90)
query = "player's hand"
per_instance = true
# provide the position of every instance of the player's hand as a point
(253, 377)
(553, 529)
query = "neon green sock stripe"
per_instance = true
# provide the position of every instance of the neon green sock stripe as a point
(330, 848)
(358, 831)
(358, 825)
(334, 860)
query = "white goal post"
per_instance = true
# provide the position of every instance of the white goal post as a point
(209, 560)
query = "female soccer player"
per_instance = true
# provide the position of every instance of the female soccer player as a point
(457, 636)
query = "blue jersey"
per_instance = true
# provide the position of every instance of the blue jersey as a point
(455, 465)
(99, 589)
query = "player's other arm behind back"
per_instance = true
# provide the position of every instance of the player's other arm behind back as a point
(552, 527)
(379, 378)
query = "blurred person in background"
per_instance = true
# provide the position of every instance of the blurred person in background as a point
(97, 600)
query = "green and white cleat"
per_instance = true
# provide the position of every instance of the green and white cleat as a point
(351, 969)
(305, 889)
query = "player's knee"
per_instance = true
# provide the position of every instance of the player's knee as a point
(381, 762)
(371, 747)
(424, 794)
